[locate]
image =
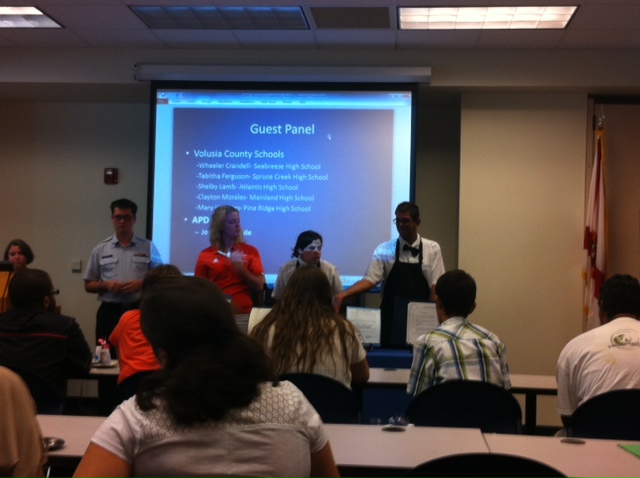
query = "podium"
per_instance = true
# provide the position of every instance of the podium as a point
(6, 271)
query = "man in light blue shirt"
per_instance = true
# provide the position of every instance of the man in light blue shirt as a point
(117, 266)
(457, 349)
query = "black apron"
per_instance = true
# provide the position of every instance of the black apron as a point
(405, 283)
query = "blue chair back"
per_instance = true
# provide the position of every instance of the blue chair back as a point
(612, 415)
(467, 404)
(334, 402)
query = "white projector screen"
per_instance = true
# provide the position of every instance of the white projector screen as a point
(334, 158)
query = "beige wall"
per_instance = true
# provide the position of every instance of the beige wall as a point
(622, 176)
(52, 157)
(521, 221)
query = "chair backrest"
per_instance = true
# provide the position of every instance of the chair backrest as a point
(128, 388)
(467, 404)
(614, 415)
(48, 399)
(334, 402)
(483, 464)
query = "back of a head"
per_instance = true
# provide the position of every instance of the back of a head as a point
(208, 366)
(160, 272)
(180, 314)
(620, 294)
(456, 290)
(29, 287)
(307, 286)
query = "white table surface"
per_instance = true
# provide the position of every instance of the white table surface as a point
(109, 371)
(592, 458)
(76, 431)
(370, 446)
(400, 376)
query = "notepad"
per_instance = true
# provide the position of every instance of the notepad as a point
(635, 449)
(367, 321)
(421, 319)
(256, 316)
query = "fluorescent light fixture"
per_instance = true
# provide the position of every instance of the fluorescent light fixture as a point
(485, 18)
(25, 17)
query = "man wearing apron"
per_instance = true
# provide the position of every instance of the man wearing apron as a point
(408, 268)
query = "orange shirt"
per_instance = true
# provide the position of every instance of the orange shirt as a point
(134, 350)
(218, 268)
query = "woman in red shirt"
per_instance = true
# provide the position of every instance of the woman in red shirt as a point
(230, 263)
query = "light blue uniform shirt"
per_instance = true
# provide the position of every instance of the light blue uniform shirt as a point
(110, 261)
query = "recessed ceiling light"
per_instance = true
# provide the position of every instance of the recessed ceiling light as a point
(485, 18)
(25, 17)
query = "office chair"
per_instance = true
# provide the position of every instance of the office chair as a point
(48, 400)
(128, 388)
(614, 415)
(467, 404)
(334, 402)
(483, 464)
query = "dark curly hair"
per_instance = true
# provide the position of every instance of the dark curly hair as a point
(210, 366)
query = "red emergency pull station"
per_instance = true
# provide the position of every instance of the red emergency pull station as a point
(111, 175)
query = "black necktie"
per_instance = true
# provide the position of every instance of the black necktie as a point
(414, 250)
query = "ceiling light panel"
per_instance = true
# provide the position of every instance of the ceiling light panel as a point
(222, 18)
(485, 18)
(25, 17)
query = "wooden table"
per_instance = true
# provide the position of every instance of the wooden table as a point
(591, 458)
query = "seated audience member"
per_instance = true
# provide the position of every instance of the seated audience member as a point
(134, 350)
(215, 408)
(307, 252)
(303, 332)
(36, 338)
(22, 451)
(457, 349)
(19, 254)
(607, 357)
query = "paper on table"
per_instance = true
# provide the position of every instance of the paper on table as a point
(367, 321)
(635, 449)
(256, 316)
(421, 319)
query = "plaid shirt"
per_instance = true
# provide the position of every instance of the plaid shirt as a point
(458, 350)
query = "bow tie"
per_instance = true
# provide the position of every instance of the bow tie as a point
(414, 250)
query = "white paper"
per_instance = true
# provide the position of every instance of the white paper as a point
(256, 316)
(367, 321)
(421, 319)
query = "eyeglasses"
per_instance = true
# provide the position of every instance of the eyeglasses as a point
(55, 292)
(403, 221)
(119, 217)
(312, 248)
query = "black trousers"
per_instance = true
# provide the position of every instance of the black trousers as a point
(107, 318)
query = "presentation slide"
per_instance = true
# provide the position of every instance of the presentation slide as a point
(337, 162)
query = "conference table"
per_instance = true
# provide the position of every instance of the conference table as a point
(529, 385)
(370, 450)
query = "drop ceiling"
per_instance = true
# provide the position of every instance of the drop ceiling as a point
(598, 24)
